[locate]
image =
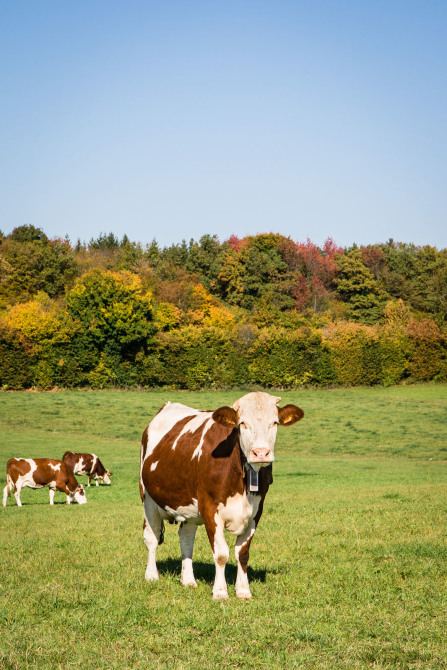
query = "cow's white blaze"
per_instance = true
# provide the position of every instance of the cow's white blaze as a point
(79, 495)
(258, 422)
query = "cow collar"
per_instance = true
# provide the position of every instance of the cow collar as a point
(252, 476)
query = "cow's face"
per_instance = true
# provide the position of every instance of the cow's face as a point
(106, 478)
(257, 417)
(79, 495)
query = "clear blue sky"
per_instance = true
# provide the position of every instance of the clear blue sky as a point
(176, 118)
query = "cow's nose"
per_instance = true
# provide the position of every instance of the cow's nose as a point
(261, 455)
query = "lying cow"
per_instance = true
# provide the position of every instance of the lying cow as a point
(212, 468)
(39, 472)
(87, 464)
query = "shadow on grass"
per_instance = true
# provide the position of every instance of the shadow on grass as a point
(206, 571)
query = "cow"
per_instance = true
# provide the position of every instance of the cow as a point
(87, 464)
(39, 472)
(212, 468)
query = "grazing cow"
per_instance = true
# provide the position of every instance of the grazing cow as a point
(212, 468)
(39, 472)
(87, 464)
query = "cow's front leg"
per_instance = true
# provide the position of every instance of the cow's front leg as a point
(215, 530)
(52, 496)
(187, 534)
(242, 552)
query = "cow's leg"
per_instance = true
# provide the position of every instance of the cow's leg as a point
(97, 481)
(151, 534)
(7, 490)
(63, 488)
(89, 479)
(52, 492)
(17, 490)
(187, 533)
(242, 552)
(215, 530)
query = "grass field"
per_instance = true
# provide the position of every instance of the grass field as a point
(347, 569)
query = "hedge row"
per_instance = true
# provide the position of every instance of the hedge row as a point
(197, 357)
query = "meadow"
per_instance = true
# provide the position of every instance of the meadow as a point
(347, 568)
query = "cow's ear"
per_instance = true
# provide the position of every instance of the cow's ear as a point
(289, 414)
(226, 416)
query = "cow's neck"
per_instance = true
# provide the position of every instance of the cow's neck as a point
(253, 478)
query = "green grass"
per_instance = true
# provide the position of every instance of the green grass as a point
(347, 568)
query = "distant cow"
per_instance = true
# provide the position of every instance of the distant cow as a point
(39, 472)
(87, 464)
(212, 468)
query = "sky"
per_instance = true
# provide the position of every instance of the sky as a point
(171, 120)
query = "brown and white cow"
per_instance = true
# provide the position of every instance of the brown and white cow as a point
(39, 472)
(87, 464)
(212, 468)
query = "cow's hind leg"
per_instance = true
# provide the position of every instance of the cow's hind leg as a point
(152, 532)
(7, 490)
(242, 552)
(187, 534)
(17, 490)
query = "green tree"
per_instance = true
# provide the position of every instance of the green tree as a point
(356, 285)
(33, 263)
(114, 314)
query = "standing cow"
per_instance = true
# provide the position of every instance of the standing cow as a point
(39, 472)
(87, 464)
(212, 468)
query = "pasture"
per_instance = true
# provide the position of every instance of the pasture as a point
(347, 568)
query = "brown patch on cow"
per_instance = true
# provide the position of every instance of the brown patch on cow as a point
(144, 524)
(289, 414)
(222, 561)
(16, 468)
(244, 554)
(172, 483)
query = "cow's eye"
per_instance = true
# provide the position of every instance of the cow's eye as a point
(242, 424)
(275, 423)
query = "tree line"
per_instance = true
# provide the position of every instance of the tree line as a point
(260, 310)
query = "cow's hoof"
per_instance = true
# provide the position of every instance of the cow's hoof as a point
(222, 595)
(192, 585)
(244, 595)
(151, 578)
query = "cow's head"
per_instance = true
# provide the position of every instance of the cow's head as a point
(79, 495)
(106, 477)
(257, 416)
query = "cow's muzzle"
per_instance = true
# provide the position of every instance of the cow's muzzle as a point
(261, 455)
